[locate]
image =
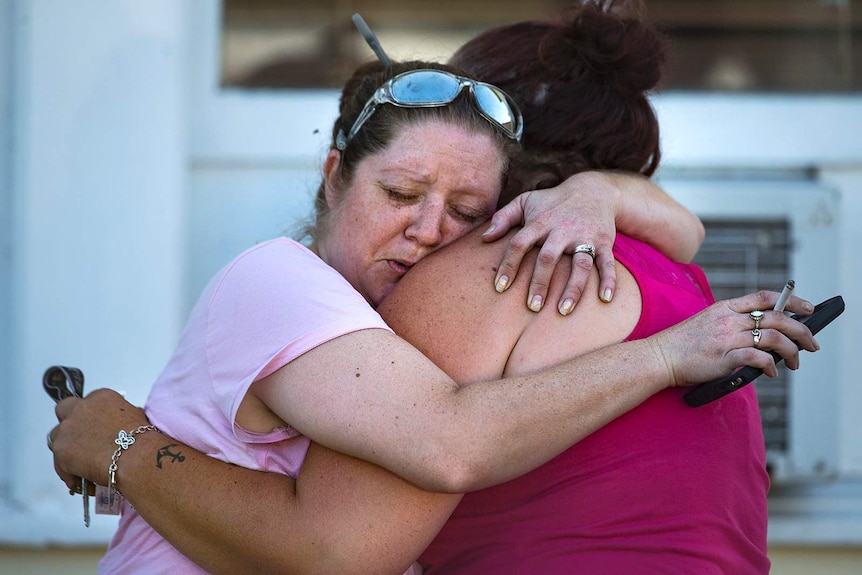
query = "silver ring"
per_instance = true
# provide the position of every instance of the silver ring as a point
(588, 249)
(756, 316)
(50, 441)
(756, 334)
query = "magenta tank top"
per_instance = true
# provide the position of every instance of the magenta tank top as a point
(666, 488)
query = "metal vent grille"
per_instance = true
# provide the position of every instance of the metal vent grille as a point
(740, 257)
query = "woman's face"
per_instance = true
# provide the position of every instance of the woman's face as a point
(433, 184)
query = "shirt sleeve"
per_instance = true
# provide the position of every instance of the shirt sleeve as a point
(272, 304)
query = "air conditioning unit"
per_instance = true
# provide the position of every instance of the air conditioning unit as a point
(763, 229)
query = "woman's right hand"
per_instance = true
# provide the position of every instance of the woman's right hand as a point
(579, 211)
(83, 441)
(719, 339)
(588, 209)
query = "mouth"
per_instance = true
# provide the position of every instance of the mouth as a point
(399, 267)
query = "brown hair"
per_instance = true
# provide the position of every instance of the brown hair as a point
(386, 122)
(581, 83)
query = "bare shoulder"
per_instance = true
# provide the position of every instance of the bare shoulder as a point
(448, 300)
(447, 308)
(465, 263)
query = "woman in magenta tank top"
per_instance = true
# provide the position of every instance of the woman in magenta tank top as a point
(664, 488)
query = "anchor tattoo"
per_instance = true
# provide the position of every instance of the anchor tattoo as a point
(166, 452)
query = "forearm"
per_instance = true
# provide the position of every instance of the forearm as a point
(555, 409)
(228, 519)
(232, 520)
(371, 395)
(504, 428)
(341, 515)
(410, 418)
(644, 211)
(344, 515)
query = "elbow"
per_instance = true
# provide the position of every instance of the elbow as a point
(695, 236)
(455, 475)
(698, 235)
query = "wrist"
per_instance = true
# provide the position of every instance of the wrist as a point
(124, 441)
(664, 375)
(612, 185)
(609, 186)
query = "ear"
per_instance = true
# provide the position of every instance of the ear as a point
(331, 180)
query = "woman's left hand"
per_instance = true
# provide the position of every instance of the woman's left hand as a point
(567, 219)
(83, 441)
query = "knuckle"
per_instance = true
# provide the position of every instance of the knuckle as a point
(520, 243)
(749, 355)
(539, 284)
(575, 290)
(763, 297)
(547, 258)
(542, 218)
(584, 263)
(507, 267)
(726, 322)
(768, 340)
(602, 237)
(568, 222)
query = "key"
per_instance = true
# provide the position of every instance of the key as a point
(85, 490)
(60, 382)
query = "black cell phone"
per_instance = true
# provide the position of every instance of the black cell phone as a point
(704, 393)
(60, 382)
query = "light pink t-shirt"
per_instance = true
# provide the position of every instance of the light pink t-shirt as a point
(267, 307)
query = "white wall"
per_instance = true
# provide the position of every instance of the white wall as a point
(5, 217)
(132, 177)
(98, 179)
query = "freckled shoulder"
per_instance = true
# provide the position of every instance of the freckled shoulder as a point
(447, 303)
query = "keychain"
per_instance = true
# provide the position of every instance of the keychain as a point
(59, 383)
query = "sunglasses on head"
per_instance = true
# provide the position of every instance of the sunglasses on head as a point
(434, 88)
(426, 88)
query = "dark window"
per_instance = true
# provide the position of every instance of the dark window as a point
(731, 45)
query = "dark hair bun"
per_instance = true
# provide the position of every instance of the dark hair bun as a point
(582, 83)
(602, 42)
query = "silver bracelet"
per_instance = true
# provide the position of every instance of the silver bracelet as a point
(124, 440)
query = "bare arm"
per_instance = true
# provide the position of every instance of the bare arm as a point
(345, 512)
(588, 208)
(371, 395)
(341, 515)
(444, 438)
(648, 213)
(352, 396)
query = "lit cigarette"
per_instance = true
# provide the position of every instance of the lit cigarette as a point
(785, 295)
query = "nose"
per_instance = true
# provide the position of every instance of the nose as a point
(426, 227)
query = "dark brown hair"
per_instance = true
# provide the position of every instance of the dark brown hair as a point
(582, 84)
(386, 122)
